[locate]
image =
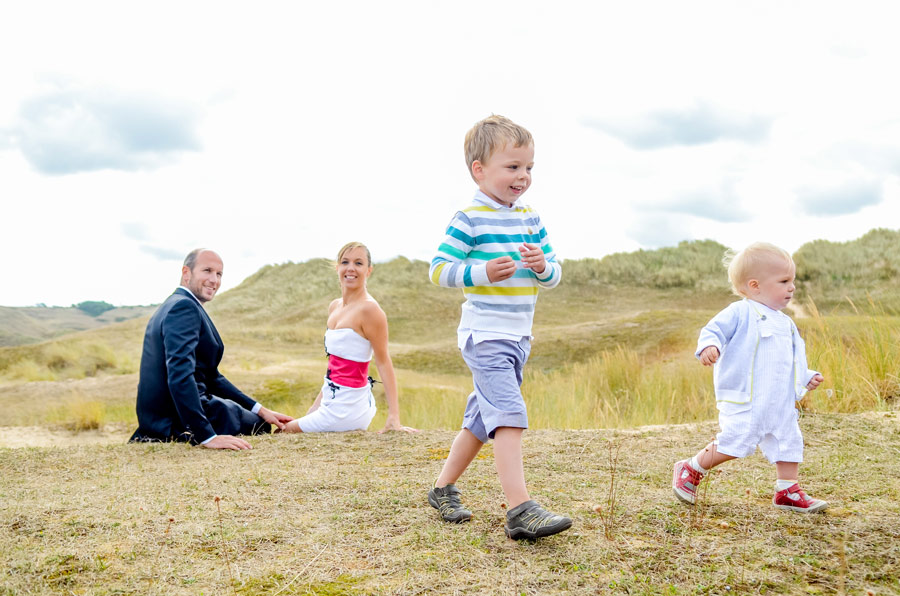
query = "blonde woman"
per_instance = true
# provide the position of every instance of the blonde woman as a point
(357, 330)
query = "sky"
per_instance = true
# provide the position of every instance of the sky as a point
(133, 132)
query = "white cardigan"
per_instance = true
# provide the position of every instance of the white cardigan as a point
(735, 333)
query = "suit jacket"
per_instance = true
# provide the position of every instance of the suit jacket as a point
(179, 375)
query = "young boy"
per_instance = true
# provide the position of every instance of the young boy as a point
(497, 251)
(760, 370)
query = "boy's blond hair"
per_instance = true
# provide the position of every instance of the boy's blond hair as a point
(490, 134)
(744, 265)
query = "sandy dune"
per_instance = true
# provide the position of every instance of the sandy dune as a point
(42, 436)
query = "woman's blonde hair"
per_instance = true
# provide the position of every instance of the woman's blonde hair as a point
(491, 134)
(745, 265)
(351, 246)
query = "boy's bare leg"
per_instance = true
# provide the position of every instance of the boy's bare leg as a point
(787, 470)
(709, 457)
(508, 458)
(463, 450)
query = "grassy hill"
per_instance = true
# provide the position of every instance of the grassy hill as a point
(28, 325)
(613, 345)
(851, 275)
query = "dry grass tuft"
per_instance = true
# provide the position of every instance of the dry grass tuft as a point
(83, 414)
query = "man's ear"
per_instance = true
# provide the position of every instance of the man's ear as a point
(477, 170)
(184, 275)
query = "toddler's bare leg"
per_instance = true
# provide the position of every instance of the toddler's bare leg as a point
(709, 457)
(508, 458)
(463, 450)
(787, 470)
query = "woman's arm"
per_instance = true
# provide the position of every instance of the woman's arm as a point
(375, 329)
(316, 404)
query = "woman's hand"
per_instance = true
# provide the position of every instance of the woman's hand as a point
(393, 424)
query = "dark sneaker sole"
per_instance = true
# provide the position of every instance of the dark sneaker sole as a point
(523, 534)
(453, 520)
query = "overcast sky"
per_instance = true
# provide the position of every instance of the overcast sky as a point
(133, 132)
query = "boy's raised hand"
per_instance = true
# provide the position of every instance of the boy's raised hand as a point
(500, 268)
(533, 257)
(815, 381)
(709, 355)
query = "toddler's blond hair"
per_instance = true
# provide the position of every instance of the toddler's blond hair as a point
(490, 134)
(745, 265)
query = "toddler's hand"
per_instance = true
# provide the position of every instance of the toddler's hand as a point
(500, 268)
(533, 257)
(709, 355)
(815, 381)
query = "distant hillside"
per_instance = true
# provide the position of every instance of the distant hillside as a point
(835, 273)
(19, 326)
(613, 343)
(645, 299)
(696, 264)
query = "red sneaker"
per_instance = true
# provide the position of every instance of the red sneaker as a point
(794, 499)
(685, 480)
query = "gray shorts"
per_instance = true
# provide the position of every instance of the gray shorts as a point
(497, 401)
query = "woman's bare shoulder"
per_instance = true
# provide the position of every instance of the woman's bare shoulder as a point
(371, 311)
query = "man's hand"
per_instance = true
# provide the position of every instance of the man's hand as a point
(227, 442)
(500, 268)
(533, 257)
(815, 381)
(276, 418)
(709, 355)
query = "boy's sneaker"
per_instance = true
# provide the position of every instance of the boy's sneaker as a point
(794, 499)
(685, 481)
(446, 500)
(529, 521)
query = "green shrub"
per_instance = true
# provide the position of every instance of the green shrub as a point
(94, 307)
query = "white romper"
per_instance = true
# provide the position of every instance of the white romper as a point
(770, 419)
(344, 407)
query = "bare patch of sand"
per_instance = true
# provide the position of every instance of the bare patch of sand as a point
(43, 436)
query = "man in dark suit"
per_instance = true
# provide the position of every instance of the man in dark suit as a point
(180, 391)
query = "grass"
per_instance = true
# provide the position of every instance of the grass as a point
(83, 414)
(629, 364)
(606, 354)
(346, 514)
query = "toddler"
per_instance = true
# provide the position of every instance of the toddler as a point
(760, 370)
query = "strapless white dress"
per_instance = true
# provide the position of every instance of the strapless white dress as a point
(344, 407)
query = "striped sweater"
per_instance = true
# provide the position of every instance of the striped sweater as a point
(483, 231)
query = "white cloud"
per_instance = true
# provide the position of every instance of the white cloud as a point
(696, 124)
(283, 130)
(849, 197)
(71, 130)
